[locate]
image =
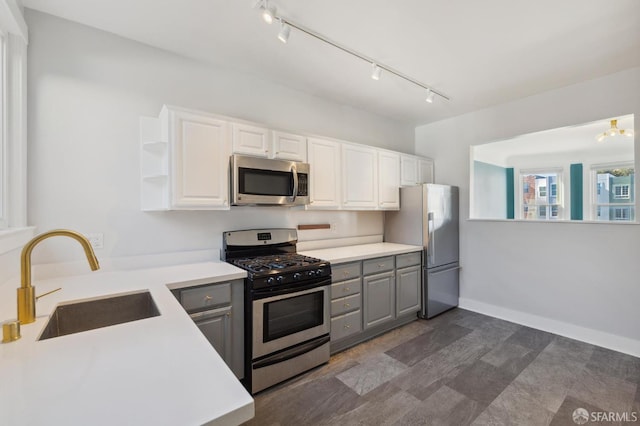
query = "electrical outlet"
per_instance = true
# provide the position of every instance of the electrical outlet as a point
(96, 239)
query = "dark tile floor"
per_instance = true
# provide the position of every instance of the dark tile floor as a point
(459, 368)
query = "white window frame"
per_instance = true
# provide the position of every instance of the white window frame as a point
(4, 175)
(593, 194)
(542, 189)
(559, 172)
(14, 231)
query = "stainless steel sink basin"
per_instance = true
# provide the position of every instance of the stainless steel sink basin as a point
(75, 317)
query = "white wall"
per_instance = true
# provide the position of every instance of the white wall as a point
(88, 88)
(490, 195)
(589, 286)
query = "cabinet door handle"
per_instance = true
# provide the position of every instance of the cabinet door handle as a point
(347, 326)
(208, 298)
(346, 289)
(380, 265)
(346, 305)
(345, 273)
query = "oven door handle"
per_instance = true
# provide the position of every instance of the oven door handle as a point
(262, 294)
(291, 353)
(294, 171)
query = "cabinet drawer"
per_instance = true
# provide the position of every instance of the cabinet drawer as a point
(375, 266)
(345, 271)
(409, 259)
(205, 297)
(346, 325)
(346, 288)
(345, 304)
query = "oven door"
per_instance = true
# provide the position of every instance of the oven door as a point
(268, 182)
(289, 319)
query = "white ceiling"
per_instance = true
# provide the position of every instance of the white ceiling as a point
(579, 140)
(480, 53)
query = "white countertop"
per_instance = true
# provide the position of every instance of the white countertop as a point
(360, 252)
(156, 371)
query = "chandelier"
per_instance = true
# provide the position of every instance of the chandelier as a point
(614, 131)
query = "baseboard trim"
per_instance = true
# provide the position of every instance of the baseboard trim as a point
(594, 337)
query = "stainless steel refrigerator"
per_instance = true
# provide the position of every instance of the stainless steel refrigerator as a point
(428, 217)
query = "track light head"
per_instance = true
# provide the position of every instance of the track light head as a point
(376, 72)
(430, 96)
(268, 12)
(285, 30)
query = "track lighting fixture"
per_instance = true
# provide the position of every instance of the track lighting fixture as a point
(430, 95)
(614, 131)
(376, 72)
(285, 29)
(269, 14)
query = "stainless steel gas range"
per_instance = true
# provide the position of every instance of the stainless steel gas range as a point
(287, 305)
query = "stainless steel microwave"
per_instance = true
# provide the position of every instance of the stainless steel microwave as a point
(263, 181)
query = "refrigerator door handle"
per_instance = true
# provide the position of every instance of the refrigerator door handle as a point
(432, 241)
(445, 270)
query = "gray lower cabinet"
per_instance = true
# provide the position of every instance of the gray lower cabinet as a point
(346, 325)
(379, 299)
(346, 297)
(408, 287)
(218, 311)
(216, 327)
(372, 296)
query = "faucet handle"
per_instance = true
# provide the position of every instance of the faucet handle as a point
(10, 331)
(48, 293)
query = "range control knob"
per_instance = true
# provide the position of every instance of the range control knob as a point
(319, 272)
(279, 279)
(311, 273)
(271, 280)
(297, 276)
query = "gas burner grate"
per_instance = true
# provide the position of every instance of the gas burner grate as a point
(279, 262)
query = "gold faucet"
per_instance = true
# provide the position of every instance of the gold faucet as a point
(26, 292)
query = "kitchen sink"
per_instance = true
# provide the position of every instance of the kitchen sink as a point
(75, 317)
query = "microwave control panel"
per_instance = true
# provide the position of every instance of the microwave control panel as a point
(303, 185)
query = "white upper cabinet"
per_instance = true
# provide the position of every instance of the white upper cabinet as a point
(184, 161)
(251, 140)
(359, 177)
(324, 163)
(287, 146)
(184, 164)
(408, 170)
(425, 170)
(415, 170)
(388, 180)
(201, 161)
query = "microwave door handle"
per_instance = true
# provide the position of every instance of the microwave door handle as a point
(294, 171)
